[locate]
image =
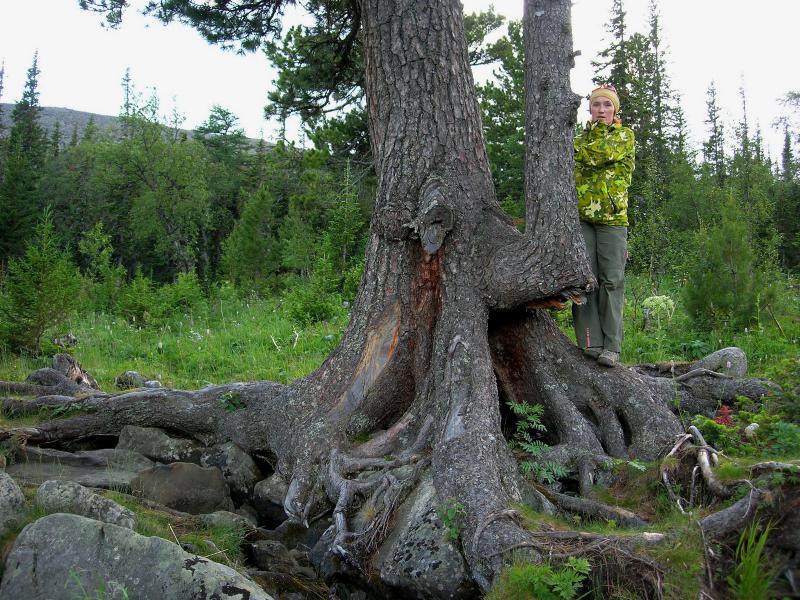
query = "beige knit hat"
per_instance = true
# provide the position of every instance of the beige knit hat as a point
(606, 91)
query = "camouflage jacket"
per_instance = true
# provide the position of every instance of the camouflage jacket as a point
(604, 161)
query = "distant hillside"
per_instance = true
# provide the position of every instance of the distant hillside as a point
(69, 118)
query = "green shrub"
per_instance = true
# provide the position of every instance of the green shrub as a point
(783, 439)
(716, 434)
(451, 513)
(543, 582)
(39, 291)
(315, 300)
(138, 301)
(183, 296)
(726, 288)
(106, 280)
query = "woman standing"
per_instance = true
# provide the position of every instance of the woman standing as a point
(604, 161)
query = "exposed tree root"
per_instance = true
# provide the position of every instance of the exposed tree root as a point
(592, 509)
(617, 562)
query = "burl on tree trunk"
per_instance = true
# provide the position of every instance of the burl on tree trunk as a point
(442, 325)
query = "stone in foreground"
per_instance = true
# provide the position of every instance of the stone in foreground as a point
(60, 556)
(69, 497)
(12, 503)
(184, 486)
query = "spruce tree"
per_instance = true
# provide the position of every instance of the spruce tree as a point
(714, 146)
(22, 169)
(251, 255)
(2, 77)
(725, 288)
(788, 165)
(26, 130)
(787, 206)
(613, 67)
(55, 141)
(503, 116)
(40, 289)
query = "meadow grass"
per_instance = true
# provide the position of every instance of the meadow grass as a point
(772, 342)
(236, 340)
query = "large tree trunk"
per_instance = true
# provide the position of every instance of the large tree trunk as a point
(440, 316)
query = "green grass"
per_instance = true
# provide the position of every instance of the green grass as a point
(236, 340)
(752, 575)
(773, 352)
(226, 540)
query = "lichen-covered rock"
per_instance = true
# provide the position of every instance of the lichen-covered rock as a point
(69, 497)
(239, 469)
(63, 556)
(184, 486)
(128, 380)
(12, 502)
(156, 445)
(418, 560)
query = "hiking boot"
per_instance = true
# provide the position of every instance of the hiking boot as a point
(593, 352)
(608, 358)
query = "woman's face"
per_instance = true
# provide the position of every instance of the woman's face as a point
(602, 110)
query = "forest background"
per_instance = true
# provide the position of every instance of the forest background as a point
(199, 256)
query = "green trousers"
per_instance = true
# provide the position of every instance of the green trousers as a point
(598, 321)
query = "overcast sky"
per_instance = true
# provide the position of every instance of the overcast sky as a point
(734, 42)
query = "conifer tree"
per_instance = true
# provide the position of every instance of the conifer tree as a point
(2, 78)
(787, 206)
(22, 169)
(73, 137)
(296, 240)
(714, 146)
(503, 117)
(614, 64)
(751, 181)
(55, 140)
(251, 255)
(39, 290)
(725, 288)
(345, 233)
(26, 130)
(788, 165)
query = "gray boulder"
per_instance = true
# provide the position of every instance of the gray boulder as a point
(69, 497)
(157, 445)
(295, 535)
(128, 380)
(249, 513)
(184, 486)
(239, 469)
(63, 556)
(105, 468)
(268, 495)
(418, 559)
(12, 503)
(272, 556)
(223, 518)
